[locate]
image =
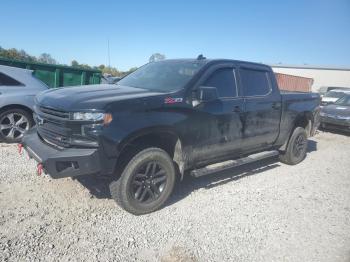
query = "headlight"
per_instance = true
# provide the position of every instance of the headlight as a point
(322, 114)
(88, 116)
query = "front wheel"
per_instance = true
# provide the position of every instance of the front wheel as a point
(146, 182)
(296, 148)
(13, 124)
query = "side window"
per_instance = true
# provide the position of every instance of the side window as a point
(255, 82)
(224, 80)
(8, 81)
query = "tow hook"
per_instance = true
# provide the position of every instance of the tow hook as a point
(39, 169)
(20, 148)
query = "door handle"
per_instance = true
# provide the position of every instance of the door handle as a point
(276, 105)
(237, 109)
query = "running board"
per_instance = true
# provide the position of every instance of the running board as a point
(232, 163)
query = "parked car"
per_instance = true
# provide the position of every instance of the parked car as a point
(337, 115)
(109, 79)
(324, 89)
(333, 95)
(18, 88)
(169, 118)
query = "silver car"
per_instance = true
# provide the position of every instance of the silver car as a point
(18, 88)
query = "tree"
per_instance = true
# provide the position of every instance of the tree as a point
(156, 57)
(74, 63)
(101, 67)
(47, 59)
(130, 70)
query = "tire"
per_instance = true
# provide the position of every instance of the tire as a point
(147, 166)
(13, 124)
(296, 148)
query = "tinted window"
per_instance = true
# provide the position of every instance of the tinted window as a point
(163, 76)
(334, 94)
(255, 82)
(344, 101)
(224, 80)
(8, 81)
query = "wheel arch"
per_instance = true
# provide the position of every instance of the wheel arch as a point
(165, 138)
(16, 106)
(304, 120)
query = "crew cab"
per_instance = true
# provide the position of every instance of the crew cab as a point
(169, 118)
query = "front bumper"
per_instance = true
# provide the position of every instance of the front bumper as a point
(335, 123)
(68, 162)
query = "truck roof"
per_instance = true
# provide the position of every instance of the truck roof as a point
(218, 60)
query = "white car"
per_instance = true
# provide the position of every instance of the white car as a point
(18, 88)
(332, 96)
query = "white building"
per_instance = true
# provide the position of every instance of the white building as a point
(323, 76)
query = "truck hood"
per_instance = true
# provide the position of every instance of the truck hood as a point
(329, 99)
(336, 110)
(89, 97)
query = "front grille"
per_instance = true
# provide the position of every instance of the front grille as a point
(54, 112)
(53, 126)
(54, 138)
(56, 128)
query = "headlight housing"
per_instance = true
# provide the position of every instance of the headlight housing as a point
(88, 116)
(322, 114)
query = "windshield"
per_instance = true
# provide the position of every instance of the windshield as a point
(344, 101)
(163, 76)
(334, 94)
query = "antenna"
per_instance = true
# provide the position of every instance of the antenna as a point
(109, 55)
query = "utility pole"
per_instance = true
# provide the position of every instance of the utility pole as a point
(109, 56)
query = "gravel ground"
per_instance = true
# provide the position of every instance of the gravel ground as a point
(265, 211)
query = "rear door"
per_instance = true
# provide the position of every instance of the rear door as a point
(262, 112)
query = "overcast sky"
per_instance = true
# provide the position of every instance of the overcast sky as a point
(290, 32)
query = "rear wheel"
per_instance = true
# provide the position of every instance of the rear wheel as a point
(296, 148)
(146, 182)
(13, 124)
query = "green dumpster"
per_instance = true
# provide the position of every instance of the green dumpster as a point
(57, 75)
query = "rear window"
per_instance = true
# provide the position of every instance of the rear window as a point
(5, 80)
(255, 82)
(334, 94)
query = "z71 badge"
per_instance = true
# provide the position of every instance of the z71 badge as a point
(172, 100)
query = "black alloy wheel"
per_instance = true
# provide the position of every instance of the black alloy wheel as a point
(299, 145)
(296, 149)
(148, 182)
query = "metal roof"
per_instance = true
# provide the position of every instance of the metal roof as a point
(310, 67)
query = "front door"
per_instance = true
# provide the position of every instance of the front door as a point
(218, 123)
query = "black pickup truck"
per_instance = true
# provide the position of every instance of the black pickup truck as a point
(167, 119)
